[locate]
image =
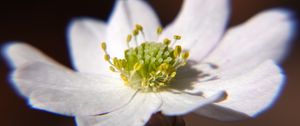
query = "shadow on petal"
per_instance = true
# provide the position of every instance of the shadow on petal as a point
(221, 113)
(188, 75)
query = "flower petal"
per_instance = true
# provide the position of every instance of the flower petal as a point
(85, 36)
(18, 54)
(250, 93)
(136, 113)
(179, 103)
(265, 36)
(221, 113)
(201, 24)
(62, 91)
(127, 13)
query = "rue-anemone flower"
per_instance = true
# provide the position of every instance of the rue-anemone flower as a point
(129, 68)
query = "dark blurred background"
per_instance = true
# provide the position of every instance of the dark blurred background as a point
(42, 23)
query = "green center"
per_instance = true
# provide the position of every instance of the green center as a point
(150, 66)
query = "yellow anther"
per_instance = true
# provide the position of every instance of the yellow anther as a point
(167, 41)
(163, 66)
(106, 57)
(112, 69)
(178, 48)
(177, 51)
(159, 30)
(143, 44)
(137, 66)
(103, 46)
(124, 78)
(117, 63)
(177, 37)
(135, 32)
(115, 60)
(161, 84)
(128, 39)
(173, 74)
(139, 27)
(185, 55)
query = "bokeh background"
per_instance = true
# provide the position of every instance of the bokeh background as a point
(43, 23)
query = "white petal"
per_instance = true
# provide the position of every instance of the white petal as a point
(136, 113)
(18, 54)
(127, 13)
(85, 36)
(201, 24)
(179, 103)
(265, 36)
(62, 91)
(221, 113)
(250, 93)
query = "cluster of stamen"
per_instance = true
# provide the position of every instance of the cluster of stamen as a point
(149, 66)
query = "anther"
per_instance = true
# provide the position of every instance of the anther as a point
(124, 78)
(103, 46)
(167, 41)
(139, 27)
(185, 55)
(112, 69)
(137, 66)
(106, 57)
(177, 37)
(159, 30)
(115, 60)
(177, 51)
(173, 74)
(135, 32)
(164, 66)
(128, 39)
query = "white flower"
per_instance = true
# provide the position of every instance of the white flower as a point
(229, 75)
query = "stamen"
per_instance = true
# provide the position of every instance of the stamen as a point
(159, 30)
(135, 33)
(124, 78)
(149, 66)
(128, 39)
(173, 74)
(112, 68)
(103, 46)
(185, 55)
(141, 29)
(176, 38)
(177, 51)
(137, 66)
(107, 57)
(167, 41)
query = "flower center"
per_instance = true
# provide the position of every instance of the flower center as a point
(149, 66)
